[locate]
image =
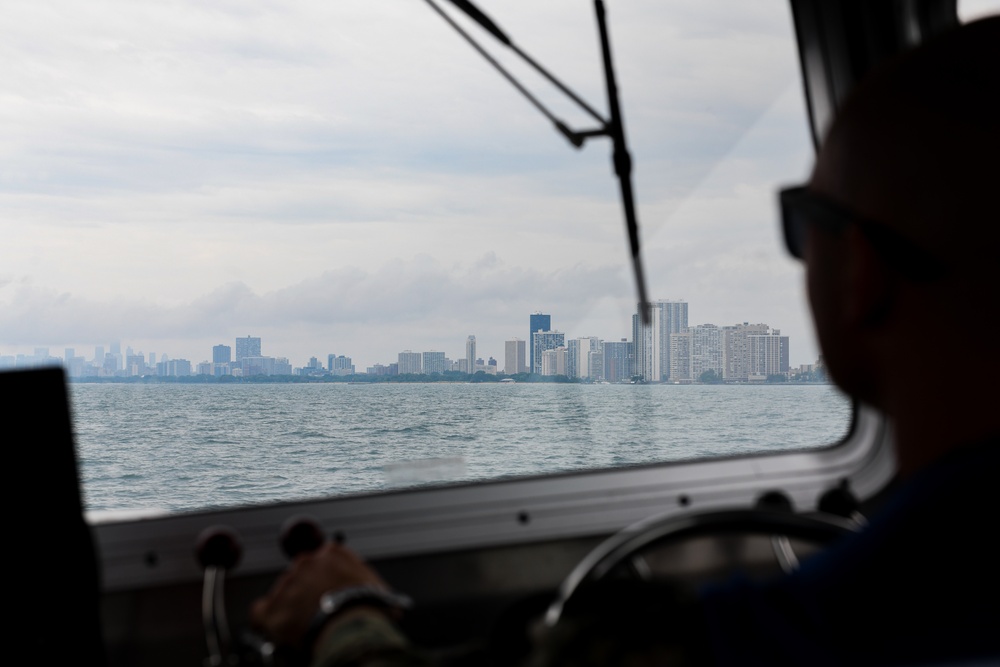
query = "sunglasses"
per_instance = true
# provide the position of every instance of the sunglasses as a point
(802, 209)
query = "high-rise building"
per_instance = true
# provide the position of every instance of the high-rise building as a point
(177, 368)
(135, 365)
(114, 362)
(736, 350)
(537, 322)
(652, 342)
(595, 364)
(542, 341)
(553, 361)
(514, 357)
(767, 355)
(410, 363)
(222, 354)
(470, 354)
(617, 360)
(578, 362)
(340, 365)
(247, 347)
(435, 362)
(680, 356)
(706, 350)
(639, 345)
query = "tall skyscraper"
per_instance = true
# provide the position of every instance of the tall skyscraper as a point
(247, 347)
(768, 355)
(706, 350)
(537, 322)
(595, 364)
(680, 356)
(617, 360)
(578, 361)
(652, 342)
(470, 354)
(514, 357)
(222, 354)
(736, 350)
(116, 357)
(542, 341)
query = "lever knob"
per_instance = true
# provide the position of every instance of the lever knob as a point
(218, 546)
(301, 534)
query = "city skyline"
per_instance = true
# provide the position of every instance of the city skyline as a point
(668, 349)
(174, 202)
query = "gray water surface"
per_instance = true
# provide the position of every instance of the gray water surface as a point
(180, 447)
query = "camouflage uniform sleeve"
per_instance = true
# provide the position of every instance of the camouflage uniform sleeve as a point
(367, 640)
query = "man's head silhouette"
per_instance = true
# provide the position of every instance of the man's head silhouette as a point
(899, 228)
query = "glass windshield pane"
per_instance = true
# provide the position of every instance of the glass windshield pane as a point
(290, 252)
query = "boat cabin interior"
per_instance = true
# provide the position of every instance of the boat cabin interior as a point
(485, 562)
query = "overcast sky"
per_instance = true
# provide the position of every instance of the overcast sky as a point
(351, 177)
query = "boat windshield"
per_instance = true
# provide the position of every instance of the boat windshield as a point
(300, 251)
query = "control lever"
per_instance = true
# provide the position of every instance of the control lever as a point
(301, 534)
(218, 550)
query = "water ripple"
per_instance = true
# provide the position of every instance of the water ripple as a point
(187, 447)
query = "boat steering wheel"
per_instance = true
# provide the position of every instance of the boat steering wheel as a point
(596, 565)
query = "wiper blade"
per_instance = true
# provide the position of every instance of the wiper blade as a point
(612, 127)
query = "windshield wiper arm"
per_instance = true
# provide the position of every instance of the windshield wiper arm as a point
(611, 127)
